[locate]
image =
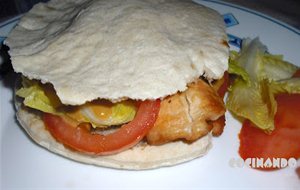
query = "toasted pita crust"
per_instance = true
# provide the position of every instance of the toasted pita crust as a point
(119, 49)
(139, 157)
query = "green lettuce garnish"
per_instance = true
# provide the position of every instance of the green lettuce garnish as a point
(43, 97)
(121, 112)
(260, 76)
(38, 97)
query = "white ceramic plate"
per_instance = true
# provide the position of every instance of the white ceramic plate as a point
(26, 165)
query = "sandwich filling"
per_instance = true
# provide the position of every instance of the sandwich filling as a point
(101, 127)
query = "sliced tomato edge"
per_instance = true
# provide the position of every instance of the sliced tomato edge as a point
(148, 111)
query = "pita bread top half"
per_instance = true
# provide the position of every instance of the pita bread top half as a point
(118, 49)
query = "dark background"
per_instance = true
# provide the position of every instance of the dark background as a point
(287, 11)
(11, 8)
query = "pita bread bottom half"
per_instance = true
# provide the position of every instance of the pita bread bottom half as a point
(140, 157)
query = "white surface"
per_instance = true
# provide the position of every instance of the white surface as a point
(26, 165)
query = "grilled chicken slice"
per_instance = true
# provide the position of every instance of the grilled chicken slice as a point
(189, 115)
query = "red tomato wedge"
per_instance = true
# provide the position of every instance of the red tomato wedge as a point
(297, 73)
(224, 87)
(221, 121)
(283, 142)
(80, 138)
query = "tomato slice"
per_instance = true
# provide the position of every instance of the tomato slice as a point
(221, 87)
(80, 138)
(297, 73)
(224, 87)
(283, 142)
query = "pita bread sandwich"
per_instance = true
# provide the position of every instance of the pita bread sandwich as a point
(124, 84)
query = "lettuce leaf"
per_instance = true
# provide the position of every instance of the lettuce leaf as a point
(291, 85)
(123, 112)
(260, 76)
(43, 97)
(38, 97)
(252, 101)
(113, 113)
(275, 68)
